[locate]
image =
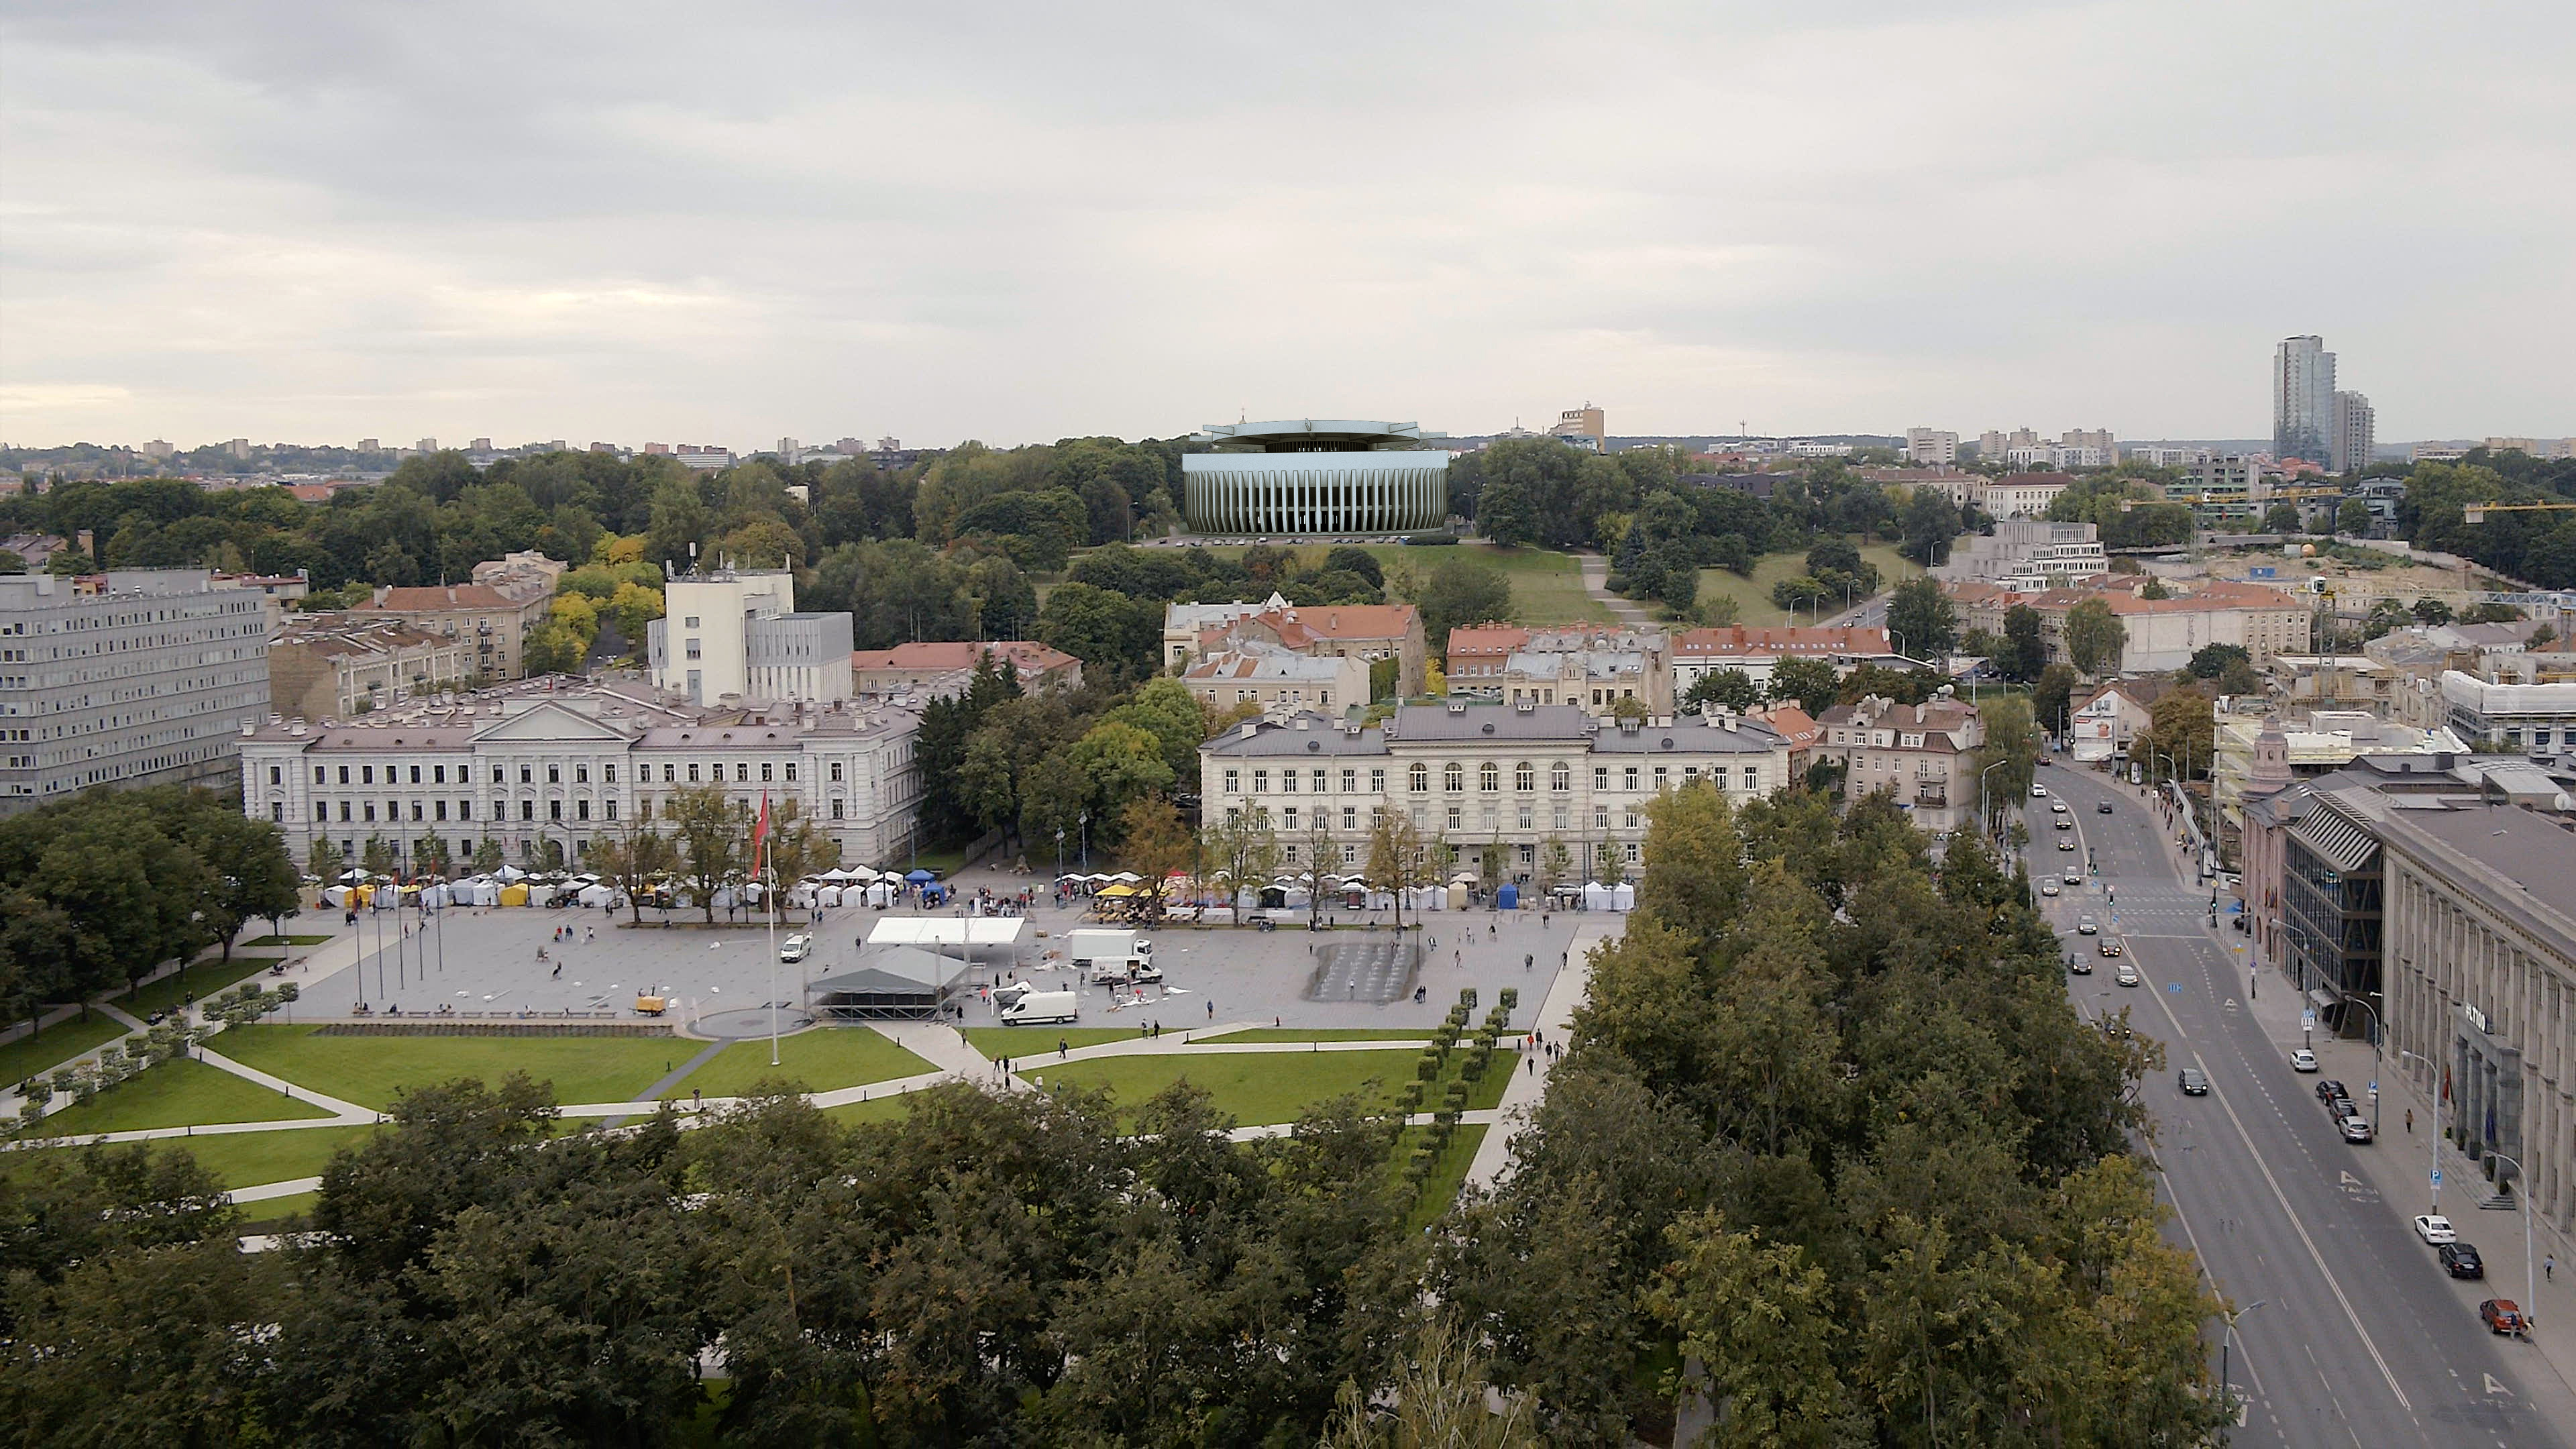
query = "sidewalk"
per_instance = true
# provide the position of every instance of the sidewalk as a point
(1596, 581)
(1555, 1021)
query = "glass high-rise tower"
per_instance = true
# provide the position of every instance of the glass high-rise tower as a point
(2303, 388)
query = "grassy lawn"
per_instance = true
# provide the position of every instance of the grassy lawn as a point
(177, 1094)
(1253, 1088)
(1016, 1041)
(372, 1070)
(818, 1060)
(282, 941)
(268, 1212)
(199, 982)
(1338, 1033)
(1547, 586)
(55, 1045)
(1448, 1171)
(1754, 608)
(237, 1159)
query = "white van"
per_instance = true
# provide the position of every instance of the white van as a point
(1041, 1008)
(795, 949)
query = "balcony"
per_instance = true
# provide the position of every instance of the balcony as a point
(1933, 797)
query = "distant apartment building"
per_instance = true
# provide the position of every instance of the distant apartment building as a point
(703, 457)
(2101, 724)
(2024, 495)
(2348, 449)
(944, 668)
(1585, 426)
(2516, 717)
(131, 677)
(1962, 489)
(1757, 652)
(1924, 756)
(276, 590)
(2303, 388)
(1278, 679)
(1931, 447)
(338, 666)
(734, 636)
(496, 613)
(2163, 634)
(1364, 631)
(2027, 555)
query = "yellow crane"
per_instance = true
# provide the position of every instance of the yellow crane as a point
(2477, 512)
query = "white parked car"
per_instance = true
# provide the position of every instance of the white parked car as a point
(795, 948)
(2435, 1229)
(2303, 1060)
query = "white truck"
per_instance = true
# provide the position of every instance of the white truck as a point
(1106, 957)
(1043, 1008)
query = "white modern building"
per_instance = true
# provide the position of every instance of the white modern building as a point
(2348, 448)
(734, 635)
(131, 677)
(2537, 717)
(1309, 475)
(528, 763)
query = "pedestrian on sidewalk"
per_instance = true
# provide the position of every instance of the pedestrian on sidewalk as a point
(1060, 1048)
(2549, 1268)
(1211, 1006)
(2410, 1121)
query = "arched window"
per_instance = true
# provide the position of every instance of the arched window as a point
(1454, 777)
(1524, 777)
(1419, 779)
(1559, 777)
(1489, 778)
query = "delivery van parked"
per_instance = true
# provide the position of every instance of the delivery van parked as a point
(1043, 1008)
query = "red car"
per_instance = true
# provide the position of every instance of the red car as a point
(2501, 1316)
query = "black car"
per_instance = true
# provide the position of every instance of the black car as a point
(2194, 1083)
(2330, 1089)
(2103, 808)
(2460, 1260)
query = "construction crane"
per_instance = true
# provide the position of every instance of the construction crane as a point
(2477, 512)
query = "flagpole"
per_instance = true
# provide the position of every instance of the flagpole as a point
(760, 857)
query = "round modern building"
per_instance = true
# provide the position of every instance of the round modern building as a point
(1314, 476)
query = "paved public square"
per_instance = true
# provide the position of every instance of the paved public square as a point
(484, 961)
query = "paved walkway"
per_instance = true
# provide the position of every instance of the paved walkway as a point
(1554, 1024)
(1596, 582)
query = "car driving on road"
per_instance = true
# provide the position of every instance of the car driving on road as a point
(2435, 1229)
(2102, 807)
(2039, 792)
(2193, 1081)
(2110, 947)
(2048, 887)
(2057, 807)
(2128, 975)
(2085, 926)
(2066, 842)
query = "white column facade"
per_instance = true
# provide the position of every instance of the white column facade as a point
(1307, 493)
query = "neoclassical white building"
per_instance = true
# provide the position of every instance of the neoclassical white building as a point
(1482, 776)
(569, 762)
(1310, 475)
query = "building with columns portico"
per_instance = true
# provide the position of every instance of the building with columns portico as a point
(553, 760)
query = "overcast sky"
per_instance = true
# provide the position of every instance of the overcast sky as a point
(1016, 222)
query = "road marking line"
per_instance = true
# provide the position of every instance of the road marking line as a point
(2296, 1225)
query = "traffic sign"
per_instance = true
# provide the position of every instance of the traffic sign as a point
(2174, 986)
(2437, 1177)
(2307, 1018)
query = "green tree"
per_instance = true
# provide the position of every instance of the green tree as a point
(2095, 636)
(708, 831)
(1811, 683)
(2012, 743)
(1460, 592)
(323, 860)
(2212, 660)
(1927, 524)
(1397, 859)
(2154, 588)
(1506, 515)
(1156, 844)
(1921, 620)
(1243, 848)
(488, 856)
(1729, 688)
(2052, 698)
(1117, 638)
(1763, 1320)
(2181, 726)
(2282, 518)
(2352, 518)
(2025, 651)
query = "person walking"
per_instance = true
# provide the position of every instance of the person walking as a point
(2549, 1268)
(2410, 1121)
(1211, 1006)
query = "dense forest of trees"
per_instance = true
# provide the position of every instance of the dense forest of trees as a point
(2538, 547)
(1829, 1148)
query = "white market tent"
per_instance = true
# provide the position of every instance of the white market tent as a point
(976, 938)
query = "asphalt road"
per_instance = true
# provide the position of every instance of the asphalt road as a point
(2361, 1340)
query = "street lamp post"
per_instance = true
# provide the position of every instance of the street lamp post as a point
(1083, 823)
(2522, 1200)
(1985, 806)
(2227, 1391)
(2377, 1058)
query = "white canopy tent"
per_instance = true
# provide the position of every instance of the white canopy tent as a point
(976, 939)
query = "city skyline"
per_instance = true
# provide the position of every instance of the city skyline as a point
(1137, 220)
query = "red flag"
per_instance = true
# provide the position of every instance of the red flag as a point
(760, 837)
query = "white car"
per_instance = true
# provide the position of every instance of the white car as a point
(2303, 1060)
(2048, 887)
(2057, 807)
(2128, 976)
(795, 948)
(2086, 926)
(2039, 792)
(2435, 1229)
